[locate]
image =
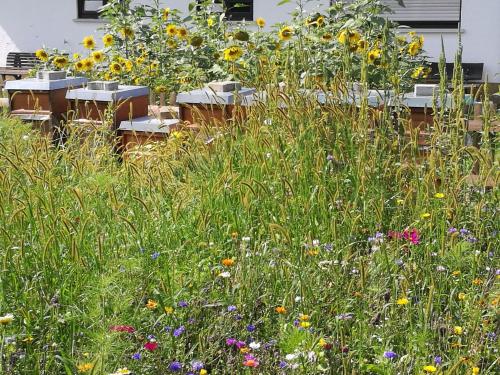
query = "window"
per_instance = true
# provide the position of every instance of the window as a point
(236, 10)
(90, 8)
(426, 13)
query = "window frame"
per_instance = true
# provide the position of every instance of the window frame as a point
(83, 14)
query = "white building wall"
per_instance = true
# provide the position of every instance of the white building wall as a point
(26, 25)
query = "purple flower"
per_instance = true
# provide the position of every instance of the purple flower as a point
(155, 255)
(175, 366)
(197, 365)
(136, 356)
(464, 232)
(346, 316)
(328, 246)
(151, 337)
(179, 331)
(241, 344)
(191, 320)
(282, 364)
(250, 328)
(183, 304)
(437, 360)
(231, 341)
(390, 354)
(296, 322)
(238, 317)
(452, 230)
(141, 249)
(231, 308)
(329, 157)
(167, 329)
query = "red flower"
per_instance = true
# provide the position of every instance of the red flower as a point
(412, 236)
(151, 346)
(128, 329)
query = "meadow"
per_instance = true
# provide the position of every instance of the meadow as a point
(308, 239)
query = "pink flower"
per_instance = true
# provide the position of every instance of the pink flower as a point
(128, 329)
(412, 236)
(151, 346)
(250, 361)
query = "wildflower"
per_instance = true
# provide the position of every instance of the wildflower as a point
(89, 42)
(41, 55)
(151, 346)
(6, 319)
(260, 22)
(425, 215)
(98, 56)
(225, 275)
(155, 255)
(430, 368)
(231, 308)
(305, 324)
(456, 273)
(203, 372)
(280, 310)
(122, 371)
(400, 202)
(183, 304)
(228, 262)
(402, 301)
(108, 40)
(127, 32)
(169, 310)
(151, 304)
(285, 33)
(458, 330)
(128, 329)
(233, 53)
(84, 367)
(210, 22)
(171, 30)
(197, 365)
(182, 32)
(240, 344)
(250, 361)
(136, 356)
(475, 370)
(254, 345)
(179, 331)
(437, 360)
(250, 328)
(477, 281)
(175, 366)
(115, 68)
(390, 355)
(326, 37)
(461, 296)
(165, 13)
(231, 341)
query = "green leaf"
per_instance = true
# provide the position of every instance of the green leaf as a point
(283, 2)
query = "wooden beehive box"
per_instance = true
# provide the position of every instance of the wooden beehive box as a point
(206, 106)
(125, 103)
(143, 130)
(41, 101)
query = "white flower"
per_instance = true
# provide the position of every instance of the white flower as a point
(225, 275)
(291, 357)
(315, 242)
(440, 269)
(246, 239)
(6, 319)
(254, 345)
(298, 299)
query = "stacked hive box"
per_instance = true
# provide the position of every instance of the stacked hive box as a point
(42, 100)
(143, 130)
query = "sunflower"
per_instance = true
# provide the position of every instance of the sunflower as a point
(61, 61)
(127, 32)
(128, 65)
(88, 64)
(171, 30)
(79, 66)
(89, 42)
(285, 33)
(417, 72)
(154, 65)
(374, 56)
(316, 20)
(41, 55)
(115, 68)
(76, 56)
(182, 32)
(414, 48)
(349, 37)
(196, 41)
(326, 37)
(362, 45)
(242, 36)
(261, 22)
(108, 40)
(171, 43)
(232, 53)
(166, 13)
(98, 56)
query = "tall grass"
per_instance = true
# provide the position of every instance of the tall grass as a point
(295, 196)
